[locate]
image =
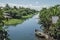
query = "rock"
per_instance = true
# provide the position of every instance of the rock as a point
(41, 34)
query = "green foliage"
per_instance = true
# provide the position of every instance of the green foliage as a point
(18, 12)
(15, 13)
(29, 16)
(7, 7)
(13, 21)
(1, 13)
(46, 19)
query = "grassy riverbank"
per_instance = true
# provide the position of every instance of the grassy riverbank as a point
(15, 15)
(28, 16)
(13, 21)
(16, 21)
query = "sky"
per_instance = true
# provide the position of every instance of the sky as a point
(35, 4)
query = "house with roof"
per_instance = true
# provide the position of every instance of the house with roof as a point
(7, 15)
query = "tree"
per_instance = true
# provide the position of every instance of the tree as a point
(15, 7)
(7, 7)
(1, 17)
(45, 19)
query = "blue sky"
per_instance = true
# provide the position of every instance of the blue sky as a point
(37, 4)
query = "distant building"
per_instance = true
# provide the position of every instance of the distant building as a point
(7, 15)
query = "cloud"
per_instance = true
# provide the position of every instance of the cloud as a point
(27, 6)
(2, 4)
(46, 6)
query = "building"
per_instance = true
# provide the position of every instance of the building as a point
(7, 15)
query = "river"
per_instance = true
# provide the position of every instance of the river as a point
(24, 31)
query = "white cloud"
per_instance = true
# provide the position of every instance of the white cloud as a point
(27, 6)
(2, 4)
(46, 6)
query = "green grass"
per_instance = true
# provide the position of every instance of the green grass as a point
(13, 21)
(28, 16)
(16, 21)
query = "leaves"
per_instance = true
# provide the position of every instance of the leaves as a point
(46, 16)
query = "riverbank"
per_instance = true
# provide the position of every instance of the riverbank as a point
(17, 21)
(50, 20)
(28, 16)
(13, 21)
(25, 30)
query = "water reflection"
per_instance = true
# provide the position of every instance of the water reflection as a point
(24, 31)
